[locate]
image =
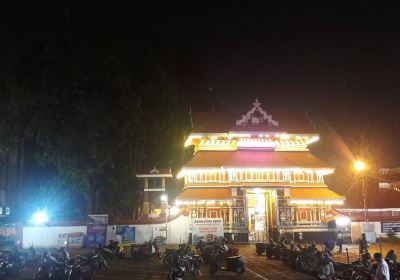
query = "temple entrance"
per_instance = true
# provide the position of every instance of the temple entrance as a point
(261, 213)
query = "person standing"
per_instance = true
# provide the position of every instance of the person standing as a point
(340, 241)
(363, 244)
(382, 271)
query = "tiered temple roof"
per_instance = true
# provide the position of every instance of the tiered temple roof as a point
(251, 150)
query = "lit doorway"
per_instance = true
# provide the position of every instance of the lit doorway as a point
(260, 212)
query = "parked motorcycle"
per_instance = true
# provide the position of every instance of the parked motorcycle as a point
(274, 249)
(58, 267)
(178, 270)
(361, 272)
(82, 269)
(261, 248)
(309, 259)
(114, 248)
(168, 257)
(146, 250)
(290, 256)
(205, 250)
(11, 263)
(343, 270)
(51, 268)
(184, 263)
(221, 262)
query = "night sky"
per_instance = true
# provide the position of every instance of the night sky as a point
(336, 60)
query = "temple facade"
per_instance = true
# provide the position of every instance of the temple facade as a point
(255, 171)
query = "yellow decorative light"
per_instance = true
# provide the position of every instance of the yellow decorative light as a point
(260, 175)
(323, 202)
(188, 141)
(202, 202)
(285, 136)
(282, 142)
(312, 140)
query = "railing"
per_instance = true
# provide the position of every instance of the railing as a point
(294, 216)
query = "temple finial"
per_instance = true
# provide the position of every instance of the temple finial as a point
(256, 102)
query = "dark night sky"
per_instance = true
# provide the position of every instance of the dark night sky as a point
(339, 60)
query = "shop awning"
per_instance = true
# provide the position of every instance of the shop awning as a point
(314, 196)
(193, 194)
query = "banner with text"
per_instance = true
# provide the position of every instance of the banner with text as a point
(160, 234)
(96, 230)
(390, 227)
(126, 234)
(207, 229)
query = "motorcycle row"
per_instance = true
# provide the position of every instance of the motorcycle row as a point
(181, 263)
(184, 262)
(12, 261)
(143, 251)
(319, 263)
(61, 266)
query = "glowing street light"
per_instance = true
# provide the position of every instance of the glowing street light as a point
(359, 166)
(40, 218)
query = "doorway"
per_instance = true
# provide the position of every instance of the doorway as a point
(261, 212)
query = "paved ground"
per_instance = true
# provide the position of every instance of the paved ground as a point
(258, 267)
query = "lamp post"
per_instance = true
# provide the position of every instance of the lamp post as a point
(164, 199)
(359, 167)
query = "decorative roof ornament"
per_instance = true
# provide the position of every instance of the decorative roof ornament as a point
(256, 116)
(154, 170)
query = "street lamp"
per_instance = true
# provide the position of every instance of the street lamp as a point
(359, 167)
(40, 218)
(164, 199)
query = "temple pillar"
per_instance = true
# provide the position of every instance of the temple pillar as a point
(146, 209)
(277, 210)
(163, 183)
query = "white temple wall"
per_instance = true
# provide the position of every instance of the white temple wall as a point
(49, 237)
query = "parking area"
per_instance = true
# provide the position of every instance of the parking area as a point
(259, 267)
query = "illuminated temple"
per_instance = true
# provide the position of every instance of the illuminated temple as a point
(256, 172)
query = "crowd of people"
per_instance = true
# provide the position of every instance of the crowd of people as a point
(382, 271)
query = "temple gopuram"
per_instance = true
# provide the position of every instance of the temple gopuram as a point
(255, 171)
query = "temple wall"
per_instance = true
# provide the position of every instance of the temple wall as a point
(48, 237)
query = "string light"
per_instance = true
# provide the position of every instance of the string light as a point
(323, 202)
(235, 140)
(239, 175)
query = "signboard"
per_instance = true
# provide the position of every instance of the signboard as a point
(75, 239)
(207, 229)
(127, 234)
(62, 239)
(160, 234)
(384, 185)
(96, 230)
(7, 234)
(390, 227)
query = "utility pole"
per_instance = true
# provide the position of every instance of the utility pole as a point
(365, 199)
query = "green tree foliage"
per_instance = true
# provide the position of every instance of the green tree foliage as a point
(98, 108)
